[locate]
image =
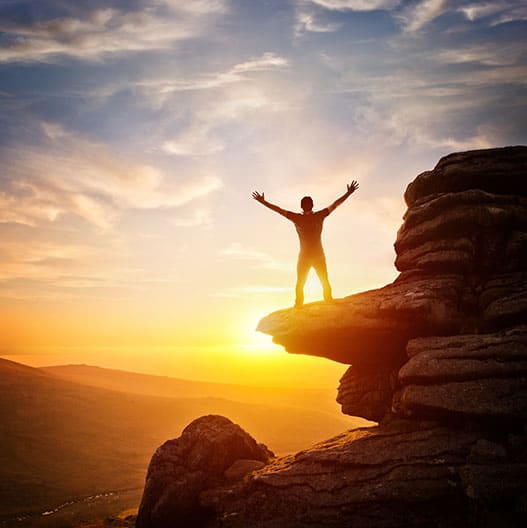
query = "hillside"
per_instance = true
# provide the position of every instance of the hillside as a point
(138, 383)
(64, 440)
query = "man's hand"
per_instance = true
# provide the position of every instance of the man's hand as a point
(259, 197)
(352, 187)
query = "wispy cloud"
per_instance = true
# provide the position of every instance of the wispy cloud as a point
(496, 12)
(195, 141)
(356, 5)
(266, 62)
(417, 15)
(237, 251)
(310, 13)
(484, 54)
(236, 97)
(307, 22)
(69, 174)
(92, 34)
(196, 218)
(259, 259)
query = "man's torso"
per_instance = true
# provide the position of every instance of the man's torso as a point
(309, 229)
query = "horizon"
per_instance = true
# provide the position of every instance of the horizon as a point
(281, 383)
(133, 134)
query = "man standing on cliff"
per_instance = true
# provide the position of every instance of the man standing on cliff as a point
(309, 228)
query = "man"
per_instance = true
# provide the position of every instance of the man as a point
(309, 228)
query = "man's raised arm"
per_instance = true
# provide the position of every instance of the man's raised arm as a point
(352, 187)
(261, 198)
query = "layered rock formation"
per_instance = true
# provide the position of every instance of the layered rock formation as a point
(394, 476)
(438, 358)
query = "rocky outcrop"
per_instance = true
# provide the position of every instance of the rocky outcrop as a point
(438, 358)
(395, 476)
(362, 327)
(462, 253)
(210, 452)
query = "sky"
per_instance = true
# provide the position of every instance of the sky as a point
(133, 132)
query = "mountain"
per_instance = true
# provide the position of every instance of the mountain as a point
(138, 383)
(63, 440)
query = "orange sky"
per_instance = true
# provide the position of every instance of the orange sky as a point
(133, 134)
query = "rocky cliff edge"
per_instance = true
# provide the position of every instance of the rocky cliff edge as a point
(438, 358)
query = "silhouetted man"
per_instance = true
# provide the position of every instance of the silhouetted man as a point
(309, 228)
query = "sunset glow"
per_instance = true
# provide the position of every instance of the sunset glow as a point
(133, 134)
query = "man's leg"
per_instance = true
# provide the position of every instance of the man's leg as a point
(302, 269)
(322, 272)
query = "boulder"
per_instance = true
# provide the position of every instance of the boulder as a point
(204, 456)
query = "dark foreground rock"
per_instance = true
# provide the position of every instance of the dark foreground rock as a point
(399, 475)
(210, 452)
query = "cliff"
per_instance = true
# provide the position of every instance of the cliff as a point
(438, 358)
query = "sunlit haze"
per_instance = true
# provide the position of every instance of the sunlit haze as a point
(133, 133)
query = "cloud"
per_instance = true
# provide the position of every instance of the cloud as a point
(268, 61)
(93, 34)
(307, 22)
(197, 218)
(487, 54)
(308, 13)
(356, 5)
(237, 251)
(499, 12)
(195, 141)
(237, 98)
(202, 137)
(68, 174)
(416, 16)
(22, 259)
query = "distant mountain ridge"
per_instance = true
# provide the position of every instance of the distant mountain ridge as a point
(154, 385)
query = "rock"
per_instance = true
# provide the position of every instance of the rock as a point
(466, 357)
(181, 469)
(477, 376)
(241, 468)
(371, 327)
(367, 392)
(503, 301)
(453, 255)
(386, 476)
(497, 170)
(481, 399)
(462, 232)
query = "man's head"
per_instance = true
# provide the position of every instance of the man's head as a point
(306, 204)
